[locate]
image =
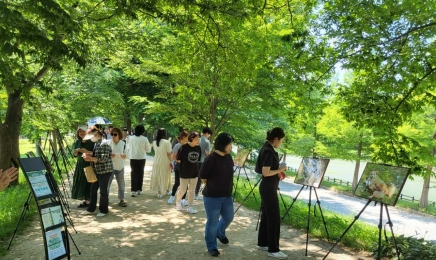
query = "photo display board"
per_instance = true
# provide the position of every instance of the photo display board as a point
(55, 244)
(311, 171)
(39, 183)
(49, 205)
(382, 183)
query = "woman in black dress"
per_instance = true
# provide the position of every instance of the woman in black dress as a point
(81, 187)
(268, 165)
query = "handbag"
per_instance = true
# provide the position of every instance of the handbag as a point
(90, 174)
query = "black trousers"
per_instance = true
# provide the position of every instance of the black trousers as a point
(101, 183)
(176, 183)
(137, 174)
(197, 187)
(269, 227)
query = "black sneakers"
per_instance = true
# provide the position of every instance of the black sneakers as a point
(214, 252)
(223, 240)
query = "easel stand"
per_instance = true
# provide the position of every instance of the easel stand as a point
(249, 193)
(379, 230)
(238, 169)
(23, 213)
(308, 212)
(50, 169)
(50, 208)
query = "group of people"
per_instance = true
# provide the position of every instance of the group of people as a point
(194, 163)
(217, 174)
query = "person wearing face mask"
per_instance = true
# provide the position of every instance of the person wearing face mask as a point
(81, 187)
(101, 160)
(267, 164)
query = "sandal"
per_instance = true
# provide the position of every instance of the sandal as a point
(122, 203)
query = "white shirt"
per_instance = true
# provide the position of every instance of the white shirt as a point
(117, 149)
(137, 147)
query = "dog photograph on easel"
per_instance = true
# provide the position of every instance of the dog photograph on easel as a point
(381, 183)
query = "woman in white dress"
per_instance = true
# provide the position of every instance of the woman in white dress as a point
(161, 172)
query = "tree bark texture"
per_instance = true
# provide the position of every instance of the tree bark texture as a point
(10, 131)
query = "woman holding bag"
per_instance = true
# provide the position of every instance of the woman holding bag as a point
(81, 187)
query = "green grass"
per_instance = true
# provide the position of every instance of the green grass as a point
(12, 204)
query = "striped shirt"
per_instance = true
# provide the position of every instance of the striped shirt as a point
(104, 160)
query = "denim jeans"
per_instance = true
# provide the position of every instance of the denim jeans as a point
(101, 183)
(119, 176)
(216, 226)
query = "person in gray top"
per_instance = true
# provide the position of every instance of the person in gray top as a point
(205, 151)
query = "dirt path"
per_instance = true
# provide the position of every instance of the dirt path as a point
(149, 228)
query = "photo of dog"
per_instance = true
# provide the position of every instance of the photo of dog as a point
(382, 183)
(379, 187)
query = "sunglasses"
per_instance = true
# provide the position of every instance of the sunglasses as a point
(114, 134)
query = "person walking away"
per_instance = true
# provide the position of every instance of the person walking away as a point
(188, 157)
(205, 150)
(81, 187)
(137, 148)
(118, 146)
(183, 139)
(267, 164)
(217, 175)
(161, 172)
(102, 163)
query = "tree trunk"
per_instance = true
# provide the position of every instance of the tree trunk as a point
(423, 202)
(10, 131)
(357, 167)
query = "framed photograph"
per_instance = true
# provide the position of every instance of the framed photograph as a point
(382, 183)
(311, 171)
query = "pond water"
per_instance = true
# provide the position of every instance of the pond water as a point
(344, 170)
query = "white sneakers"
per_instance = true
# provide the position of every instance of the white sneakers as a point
(139, 192)
(197, 197)
(180, 204)
(134, 193)
(92, 213)
(278, 255)
(191, 210)
(159, 196)
(183, 202)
